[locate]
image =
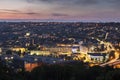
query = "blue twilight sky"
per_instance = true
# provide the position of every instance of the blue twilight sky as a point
(76, 10)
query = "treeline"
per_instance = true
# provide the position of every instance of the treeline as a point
(68, 71)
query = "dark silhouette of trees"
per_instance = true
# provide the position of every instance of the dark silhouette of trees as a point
(74, 71)
(7, 73)
(64, 71)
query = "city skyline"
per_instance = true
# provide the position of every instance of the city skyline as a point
(61, 10)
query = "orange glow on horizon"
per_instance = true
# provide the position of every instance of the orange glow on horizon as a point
(21, 16)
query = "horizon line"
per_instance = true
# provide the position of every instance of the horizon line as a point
(56, 20)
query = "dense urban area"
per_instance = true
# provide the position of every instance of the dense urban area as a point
(52, 33)
(59, 51)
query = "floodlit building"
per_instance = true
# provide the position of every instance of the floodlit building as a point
(38, 52)
(30, 62)
(98, 57)
(60, 50)
(19, 49)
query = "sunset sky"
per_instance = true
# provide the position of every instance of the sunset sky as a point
(76, 10)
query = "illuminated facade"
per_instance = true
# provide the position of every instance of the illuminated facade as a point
(60, 50)
(98, 57)
(37, 52)
(30, 66)
(18, 49)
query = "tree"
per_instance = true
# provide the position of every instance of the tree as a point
(9, 52)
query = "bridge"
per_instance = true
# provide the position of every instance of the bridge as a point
(113, 63)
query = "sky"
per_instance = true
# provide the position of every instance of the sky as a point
(66, 10)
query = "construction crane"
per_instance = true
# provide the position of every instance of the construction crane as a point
(106, 35)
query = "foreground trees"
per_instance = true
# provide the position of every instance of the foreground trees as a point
(74, 71)
(67, 71)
